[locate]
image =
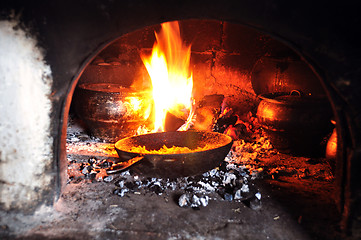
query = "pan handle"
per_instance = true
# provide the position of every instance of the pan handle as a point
(123, 165)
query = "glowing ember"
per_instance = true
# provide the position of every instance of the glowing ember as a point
(168, 67)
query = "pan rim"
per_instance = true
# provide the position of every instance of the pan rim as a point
(227, 140)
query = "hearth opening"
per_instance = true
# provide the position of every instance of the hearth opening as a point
(254, 113)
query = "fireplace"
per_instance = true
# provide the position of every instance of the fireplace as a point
(75, 39)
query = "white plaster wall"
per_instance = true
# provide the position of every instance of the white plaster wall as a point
(25, 141)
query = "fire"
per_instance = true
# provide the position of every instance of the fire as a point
(168, 68)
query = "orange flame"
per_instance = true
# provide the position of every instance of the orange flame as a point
(168, 68)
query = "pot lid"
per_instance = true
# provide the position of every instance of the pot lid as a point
(295, 97)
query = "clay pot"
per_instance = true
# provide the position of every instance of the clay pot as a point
(331, 147)
(283, 73)
(295, 123)
(110, 111)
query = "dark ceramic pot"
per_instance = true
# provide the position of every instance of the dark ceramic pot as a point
(110, 111)
(283, 74)
(331, 147)
(295, 123)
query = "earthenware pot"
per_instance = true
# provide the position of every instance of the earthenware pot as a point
(110, 111)
(294, 122)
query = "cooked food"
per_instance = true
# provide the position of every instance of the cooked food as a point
(167, 150)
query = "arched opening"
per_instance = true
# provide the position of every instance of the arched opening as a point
(224, 58)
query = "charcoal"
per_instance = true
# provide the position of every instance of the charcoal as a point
(215, 184)
(125, 173)
(120, 183)
(204, 200)
(195, 202)
(92, 161)
(72, 161)
(244, 188)
(229, 178)
(138, 183)
(255, 202)
(224, 122)
(157, 189)
(108, 178)
(228, 197)
(214, 172)
(189, 189)
(131, 185)
(229, 188)
(221, 190)
(184, 200)
(116, 191)
(242, 193)
(172, 185)
(146, 182)
(86, 170)
(121, 192)
(238, 195)
(181, 183)
(258, 195)
(106, 164)
(206, 174)
(206, 186)
(91, 175)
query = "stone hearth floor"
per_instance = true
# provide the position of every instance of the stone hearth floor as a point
(92, 211)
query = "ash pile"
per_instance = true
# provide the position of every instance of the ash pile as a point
(229, 181)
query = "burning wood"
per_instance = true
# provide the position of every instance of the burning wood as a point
(172, 83)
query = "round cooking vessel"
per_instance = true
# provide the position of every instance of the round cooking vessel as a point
(331, 147)
(294, 122)
(111, 111)
(208, 150)
(283, 73)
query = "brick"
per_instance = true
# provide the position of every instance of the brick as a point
(243, 40)
(204, 35)
(202, 79)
